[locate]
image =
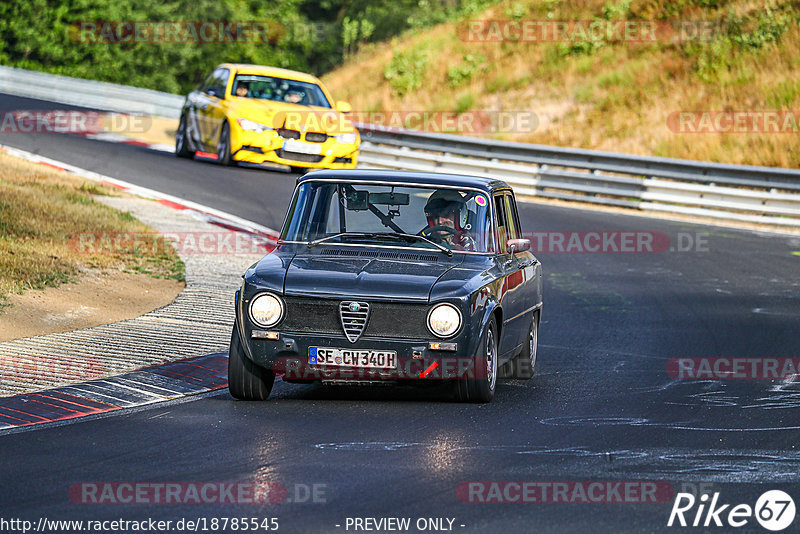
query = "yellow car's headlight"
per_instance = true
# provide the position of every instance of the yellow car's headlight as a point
(266, 310)
(347, 138)
(252, 126)
(444, 320)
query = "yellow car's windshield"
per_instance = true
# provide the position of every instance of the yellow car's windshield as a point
(279, 90)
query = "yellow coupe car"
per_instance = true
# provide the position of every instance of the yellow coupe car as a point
(257, 114)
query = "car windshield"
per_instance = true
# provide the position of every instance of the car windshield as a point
(279, 90)
(430, 217)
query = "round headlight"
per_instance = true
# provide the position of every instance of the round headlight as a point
(444, 320)
(266, 310)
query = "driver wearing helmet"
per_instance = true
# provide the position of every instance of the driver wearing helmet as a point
(242, 89)
(295, 95)
(444, 211)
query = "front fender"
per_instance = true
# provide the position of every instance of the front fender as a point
(218, 132)
(237, 325)
(480, 319)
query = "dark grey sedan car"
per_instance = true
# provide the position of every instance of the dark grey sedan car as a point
(389, 276)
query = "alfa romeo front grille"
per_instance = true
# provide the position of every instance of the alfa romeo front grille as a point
(354, 316)
(401, 320)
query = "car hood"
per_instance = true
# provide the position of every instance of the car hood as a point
(291, 116)
(359, 277)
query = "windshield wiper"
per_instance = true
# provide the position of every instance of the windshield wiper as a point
(412, 237)
(340, 234)
(373, 235)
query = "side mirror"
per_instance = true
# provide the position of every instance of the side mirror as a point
(518, 245)
(343, 107)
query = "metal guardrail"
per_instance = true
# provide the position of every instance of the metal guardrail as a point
(89, 93)
(766, 195)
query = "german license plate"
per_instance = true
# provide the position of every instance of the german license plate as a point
(293, 145)
(370, 359)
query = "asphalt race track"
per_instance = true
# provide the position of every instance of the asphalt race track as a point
(238, 190)
(602, 407)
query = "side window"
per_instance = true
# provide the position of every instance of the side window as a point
(500, 212)
(488, 231)
(512, 218)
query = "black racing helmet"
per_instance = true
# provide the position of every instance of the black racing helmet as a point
(297, 91)
(446, 201)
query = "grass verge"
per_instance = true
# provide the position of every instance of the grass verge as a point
(42, 209)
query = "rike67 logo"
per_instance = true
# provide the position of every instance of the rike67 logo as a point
(774, 510)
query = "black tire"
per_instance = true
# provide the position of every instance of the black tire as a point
(484, 369)
(182, 143)
(523, 367)
(224, 146)
(246, 380)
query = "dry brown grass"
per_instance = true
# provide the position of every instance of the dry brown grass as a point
(41, 209)
(615, 98)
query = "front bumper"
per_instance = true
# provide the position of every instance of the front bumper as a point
(267, 147)
(289, 356)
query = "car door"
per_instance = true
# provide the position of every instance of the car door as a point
(511, 297)
(524, 274)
